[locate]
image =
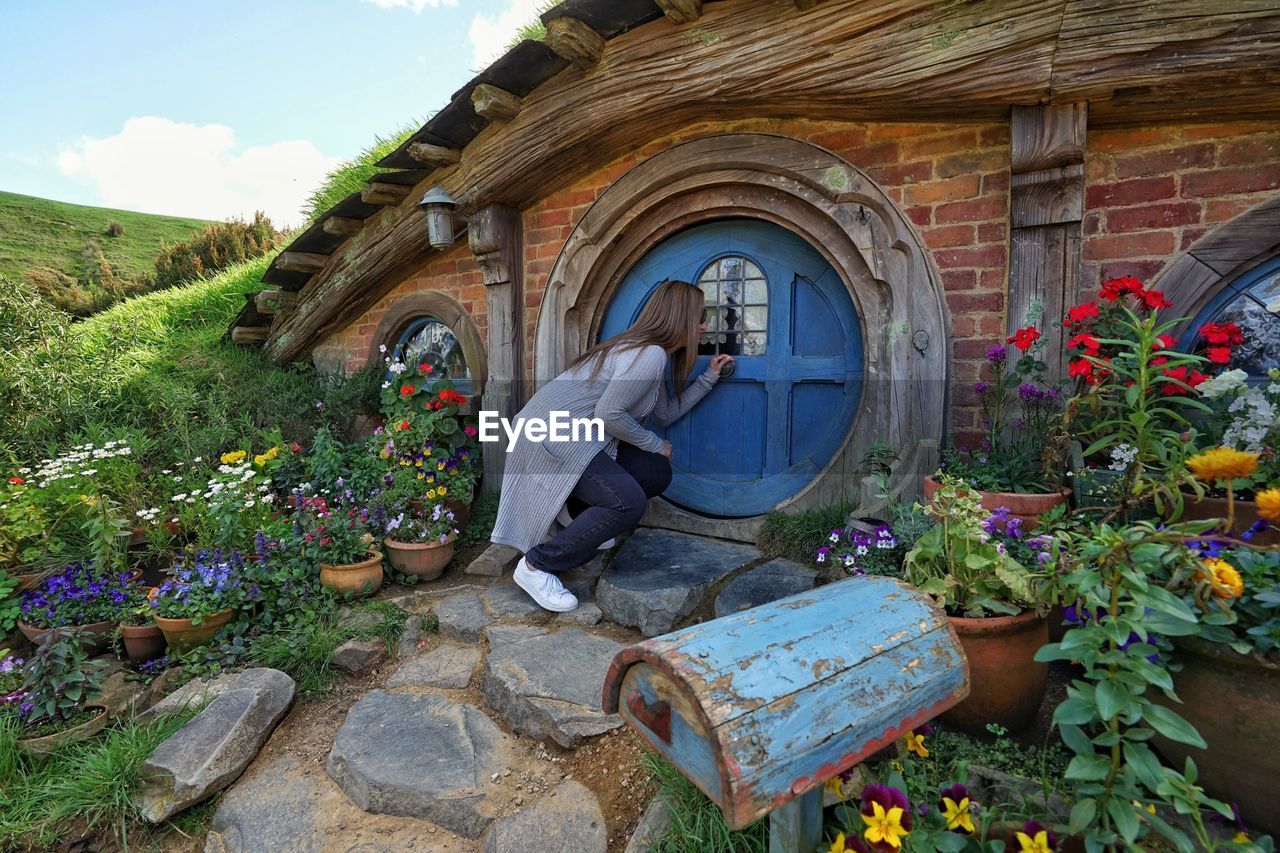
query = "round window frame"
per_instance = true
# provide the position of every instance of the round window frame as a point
(403, 313)
(1227, 294)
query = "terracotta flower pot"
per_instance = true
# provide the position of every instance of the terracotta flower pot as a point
(98, 633)
(1023, 505)
(363, 426)
(1246, 514)
(1233, 700)
(143, 642)
(43, 746)
(426, 560)
(461, 512)
(182, 635)
(27, 581)
(1007, 685)
(353, 577)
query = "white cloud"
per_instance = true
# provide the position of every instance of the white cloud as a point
(156, 165)
(490, 34)
(415, 5)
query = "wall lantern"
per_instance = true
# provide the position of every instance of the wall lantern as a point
(438, 205)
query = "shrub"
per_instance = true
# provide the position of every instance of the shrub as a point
(114, 228)
(214, 249)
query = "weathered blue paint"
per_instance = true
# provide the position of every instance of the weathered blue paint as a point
(763, 434)
(769, 703)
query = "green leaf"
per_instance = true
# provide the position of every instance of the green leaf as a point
(1112, 697)
(948, 842)
(1126, 819)
(1088, 768)
(1172, 726)
(1145, 765)
(1082, 815)
(1074, 712)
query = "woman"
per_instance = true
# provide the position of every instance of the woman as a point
(621, 381)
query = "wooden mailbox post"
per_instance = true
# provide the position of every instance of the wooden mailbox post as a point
(760, 708)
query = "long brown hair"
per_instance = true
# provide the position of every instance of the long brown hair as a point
(670, 319)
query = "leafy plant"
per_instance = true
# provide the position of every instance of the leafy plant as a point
(435, 524)
(696, 822)
(78, 595)
(57, 680)
(209, 584)
(337, 535)
(1244, 616)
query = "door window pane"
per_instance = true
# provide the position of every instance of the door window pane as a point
(429, 341)
(736, 296)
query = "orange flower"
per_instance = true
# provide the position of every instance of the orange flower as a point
(1268, 501)
(1226, 581)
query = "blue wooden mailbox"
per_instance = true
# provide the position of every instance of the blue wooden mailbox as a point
(762, 707)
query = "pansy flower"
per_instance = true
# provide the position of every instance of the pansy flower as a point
(886, 814)
(956, 808)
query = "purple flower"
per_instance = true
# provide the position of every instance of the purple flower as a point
(1028, 392)
(981, 386)
(996, 355)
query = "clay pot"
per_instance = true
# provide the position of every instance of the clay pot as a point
(1007, 684)
(143, 642)
(1246, 513)
(183, 635)
(352, 577)
(426, 560)
(461, 513)
(27, 581)
(1023, 505)
(1233, 700)
(39, 747)
(363, 426)
(97, 633)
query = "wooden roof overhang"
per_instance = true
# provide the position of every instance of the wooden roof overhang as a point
(613, 73)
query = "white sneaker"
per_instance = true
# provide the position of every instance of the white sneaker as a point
(564, 520)
(544, 588)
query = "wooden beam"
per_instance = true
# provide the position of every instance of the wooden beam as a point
(377, 192)
(342, 226)
(275, 301)
(436, 156)
(301, 262)
(681, 11)
(493, 103)
(248, 336)
(806, 5)
(575, 41)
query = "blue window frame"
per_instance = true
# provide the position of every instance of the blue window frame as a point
(1252, 302)
(428, 339)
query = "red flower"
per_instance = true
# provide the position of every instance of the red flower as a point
(17, 481)
(1154, 299)
(1086, 342)
(1166, 342)
(404, 425)
(1024, 338)
(296, 448)
(1159, 360)
(1222, 334)
(451, 396)
(406, 390)
(424, 367)
(1081, 367)
(1219, 355)
(1080, 313)
(1190, 377)
(1118, 287)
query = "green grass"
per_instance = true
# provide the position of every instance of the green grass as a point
(84, 786)
(697, 824)
(797, 535)
(484, 512)
(350, 176)
(39, 232)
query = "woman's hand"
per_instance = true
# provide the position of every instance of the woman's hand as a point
(719, 361)
(666, 449)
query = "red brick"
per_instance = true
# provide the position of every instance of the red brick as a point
(840, 140)
(542, 235)
(961, 186)
(994, 135)
(550, 218)
(951, 235)
(1125, 140)
(966, 438)
(1122, 193)
(1140, 245)
(976, 210)
(1247, 179)
(1168, 215)
(1220, 210)
(981, 256)
(992, 325)
(1141, 270)
(903, 173)
(1092, 224)
(963, 327)
(1261, 149)
(1226, 130)
(974, 303)
(996, 182)
(1165, 162)
(920, 215)
(992, 232)
(875, 154)
(972, 161)
(959, 280)
(1189, 237)
(947, 143)
(971, 348)
(1097, 169)
(992, 279)
(902, 130)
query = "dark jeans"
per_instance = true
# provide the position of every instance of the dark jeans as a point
(609, 499)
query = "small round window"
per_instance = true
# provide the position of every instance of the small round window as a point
(736, 298)
(427, 340)
(1252, 302)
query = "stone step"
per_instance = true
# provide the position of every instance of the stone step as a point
(446, 667)
(659, 577)
(765, 583)
(568, 819)
(420, 755)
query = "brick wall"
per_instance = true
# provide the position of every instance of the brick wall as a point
(1153, 191)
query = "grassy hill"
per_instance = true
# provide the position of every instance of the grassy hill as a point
(38, 232)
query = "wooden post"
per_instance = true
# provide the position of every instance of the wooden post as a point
(495, 104)
(433, 155)
(301, 261)
(797, 826)
(1046, 201)
(342, 226)
(574, 40)
(379, 192)
(496, 238)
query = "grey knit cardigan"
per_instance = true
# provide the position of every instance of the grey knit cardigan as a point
(539, 476)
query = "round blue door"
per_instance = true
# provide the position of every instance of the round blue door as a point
(776, 305)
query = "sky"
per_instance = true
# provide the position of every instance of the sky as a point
(219, 108)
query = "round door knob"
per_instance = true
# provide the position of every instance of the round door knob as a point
(727, 370)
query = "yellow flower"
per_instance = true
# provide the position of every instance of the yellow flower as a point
(915, 743)
(418, 464)
(233, 457)
(1039, 844)
(957, 814)
(431, 494)
(836, 786)
(419, 476)
(1227, 582)
(1223, 463)
(429, 479)
(442, 491)
(1241, 837)
(837, 846)
(263, 458)
(884, 826)
(1268, 502)
(453, 471)
(439, 466)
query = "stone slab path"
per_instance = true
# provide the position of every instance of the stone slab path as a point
(425, 761)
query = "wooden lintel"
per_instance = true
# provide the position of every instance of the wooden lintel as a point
(681, 11)
(376, 192)
(436, 156)
(342, 226)
(493, 103)
(301, 262)
(250, 335)
(805, 5)
(574, 40)
(275, 301)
